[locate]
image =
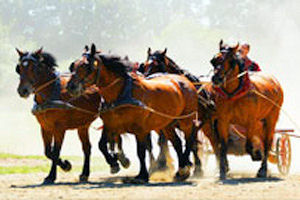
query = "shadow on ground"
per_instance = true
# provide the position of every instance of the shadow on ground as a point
(236, 181)
(112, 182)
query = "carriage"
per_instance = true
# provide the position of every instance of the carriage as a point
(280, 153)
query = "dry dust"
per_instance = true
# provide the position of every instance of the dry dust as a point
(240, 185)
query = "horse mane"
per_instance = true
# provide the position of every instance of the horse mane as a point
(49, 60)
(178, 70)
(175, 66)
(116, 64)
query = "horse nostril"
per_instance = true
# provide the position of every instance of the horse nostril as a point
(23, 92)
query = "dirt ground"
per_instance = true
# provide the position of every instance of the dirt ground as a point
(240, 185)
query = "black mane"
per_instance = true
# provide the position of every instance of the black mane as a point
(175, 66)
(49, 60)
(116, 64)
(178, 70)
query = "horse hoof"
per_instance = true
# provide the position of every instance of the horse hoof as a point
(180, 178)
(66, 166)
(182, 174)
(185, 170)
(83, 178)
(261, 174)
(125, 162)
(198, 173)
(48, 181)
(222, 176)
(114, 169)
(189, 164)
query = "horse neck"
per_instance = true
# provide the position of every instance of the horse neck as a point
(232, 81)
(110, 92)
(173, 68)
(45, 94)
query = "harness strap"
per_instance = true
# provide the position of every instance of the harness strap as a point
(43, 86)
(102, 89)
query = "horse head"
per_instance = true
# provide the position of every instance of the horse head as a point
(96, 68)
(156, 62)
(227, 64)
(35, 68)
(85, 71)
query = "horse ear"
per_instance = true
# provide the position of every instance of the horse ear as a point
(126, 58)
(149, 51)
(71, 68)
(86, 48)
(165, 51)
(221, 44)
(39, 51)
(93, 49)
(21, 54)
(236, 47)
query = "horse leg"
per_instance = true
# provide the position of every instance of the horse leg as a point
(188, 148)
(151, 155)
(269, 128)
(58, 139)
(125, 162)
(198, 172)
(163, 144)
(47, 140)
(143, 175)
(262, 172)
(111, 160)
(86, 147)
(177, 144)
(221, 129)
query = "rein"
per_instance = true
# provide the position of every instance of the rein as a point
(162, 114)
(102, 89)
(43, 86)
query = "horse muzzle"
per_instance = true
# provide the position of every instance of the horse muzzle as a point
(216, 79)
(25, 91)
(75, 89)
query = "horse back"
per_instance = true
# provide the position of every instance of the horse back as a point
(268, 86)
(170, 89)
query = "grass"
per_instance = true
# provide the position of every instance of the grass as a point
(23, 169)
(97, 164)
(14, 156)
(36, 157)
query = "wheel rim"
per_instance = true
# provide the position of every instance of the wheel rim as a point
(283, 151)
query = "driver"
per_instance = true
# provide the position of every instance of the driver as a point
(249, 64)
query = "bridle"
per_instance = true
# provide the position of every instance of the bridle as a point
(154, 62)
(235, 60)
(36, 64)
(97, 65)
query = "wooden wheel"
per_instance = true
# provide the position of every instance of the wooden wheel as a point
(284, 154)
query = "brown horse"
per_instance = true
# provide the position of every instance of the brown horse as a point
(251, 103)
(55, 110)
(165, 99)
(159, 62)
